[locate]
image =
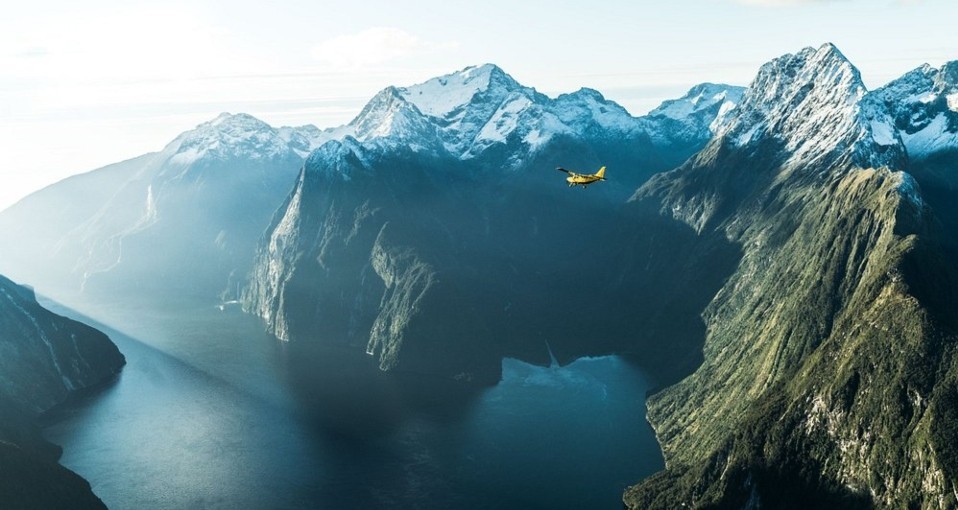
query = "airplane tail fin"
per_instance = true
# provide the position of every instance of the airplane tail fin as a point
(601, 173)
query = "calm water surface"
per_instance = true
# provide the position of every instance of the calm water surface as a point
(203, 416)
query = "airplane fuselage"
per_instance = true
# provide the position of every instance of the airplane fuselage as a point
(576, 179)
(581, 180)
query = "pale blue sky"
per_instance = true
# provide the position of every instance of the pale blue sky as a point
(84, 84)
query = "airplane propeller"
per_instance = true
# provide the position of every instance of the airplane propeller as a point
(563, 170)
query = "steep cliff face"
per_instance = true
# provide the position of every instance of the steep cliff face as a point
(407, 279)
(357, 259)
(828, 370)
(44, 358)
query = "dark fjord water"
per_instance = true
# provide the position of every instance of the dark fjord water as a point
(203, 416)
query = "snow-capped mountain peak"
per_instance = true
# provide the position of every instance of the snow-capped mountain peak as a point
(811, 102)
(239, 125)
(446, 95)
(700, 98)
(707, 105)
(924, 106)
(389, 114)
(460, 113)
(237, 136)
(475, 108)
(302, 139)
(464, 113)
(589, 106)
(338, 157)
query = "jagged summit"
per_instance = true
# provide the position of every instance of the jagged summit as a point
(389, 114)
(788, 92)
(235, 120)
(588, 94)
(240, 136)
(464, 113)
(302, 139)
(810, 101)
(445, 96)
(700, 98)
(476, 108)
(704, 110)
(924, 106)
(587, 105)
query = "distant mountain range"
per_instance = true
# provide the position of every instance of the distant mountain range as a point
(179, 222)
(780, 258)
(184, 221)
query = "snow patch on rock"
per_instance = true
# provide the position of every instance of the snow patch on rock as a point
(441, 96)
(932, 138)
(952, 100)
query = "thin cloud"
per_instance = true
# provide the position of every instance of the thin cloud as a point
(373, 46)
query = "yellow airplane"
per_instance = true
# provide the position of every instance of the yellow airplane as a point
(583, 180)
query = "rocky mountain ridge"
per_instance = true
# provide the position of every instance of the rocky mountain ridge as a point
(469, 111)
(924, 106)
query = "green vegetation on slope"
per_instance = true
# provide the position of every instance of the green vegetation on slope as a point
(826, 381)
